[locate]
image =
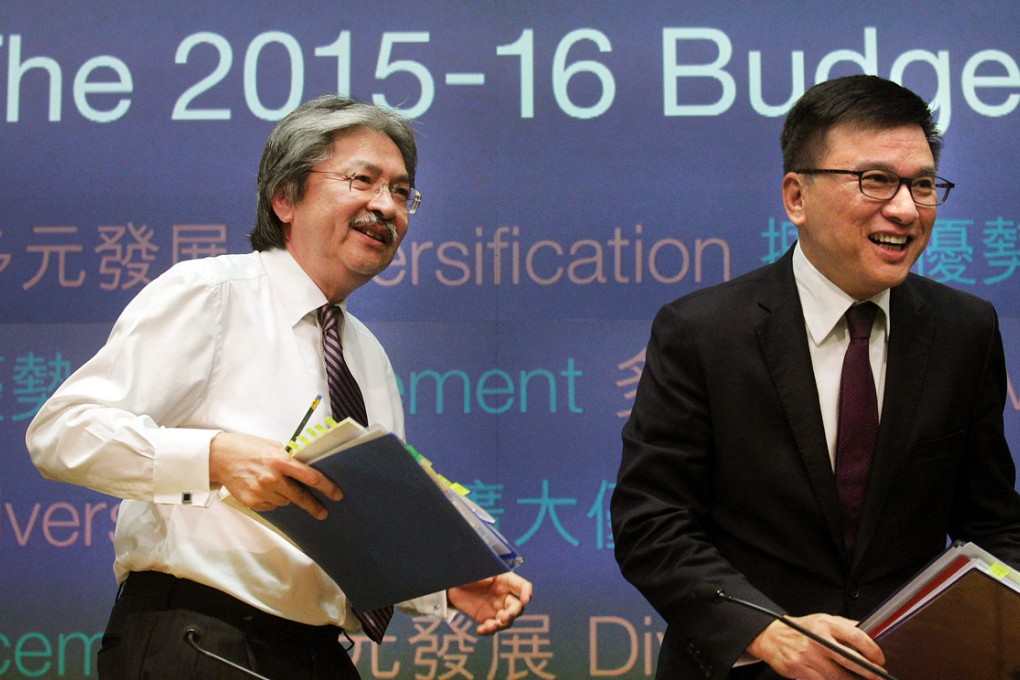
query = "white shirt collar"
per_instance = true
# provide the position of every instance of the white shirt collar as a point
(824, 303)
(302, 296)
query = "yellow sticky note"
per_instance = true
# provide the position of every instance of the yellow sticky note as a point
(998, 570)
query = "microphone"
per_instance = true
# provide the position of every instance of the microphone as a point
(193, 634)
(706, 592)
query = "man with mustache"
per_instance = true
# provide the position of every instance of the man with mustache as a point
(205, 373)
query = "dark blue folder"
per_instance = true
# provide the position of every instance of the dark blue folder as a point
(396, 534)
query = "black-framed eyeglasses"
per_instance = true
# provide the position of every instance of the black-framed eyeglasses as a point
(882, 185)
(405, 196)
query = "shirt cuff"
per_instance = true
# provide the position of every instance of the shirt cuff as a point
(429, 605)
(180, 470)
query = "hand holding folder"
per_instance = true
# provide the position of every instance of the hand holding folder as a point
(400, 532)
(958, 618)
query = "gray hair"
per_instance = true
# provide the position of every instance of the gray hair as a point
(304, 138)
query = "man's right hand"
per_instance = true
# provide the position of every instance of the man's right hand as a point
(262, 475)
(794, 655)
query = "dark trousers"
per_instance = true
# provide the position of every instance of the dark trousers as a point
(155, 614)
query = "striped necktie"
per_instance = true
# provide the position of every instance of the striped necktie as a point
(344, 394)
(346, 400)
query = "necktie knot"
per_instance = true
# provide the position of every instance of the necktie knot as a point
(859, 320)
(328, 315)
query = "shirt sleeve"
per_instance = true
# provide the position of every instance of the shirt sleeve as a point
(429, 605)
(117, 424)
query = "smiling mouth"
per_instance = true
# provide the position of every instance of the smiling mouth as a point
(891, 241)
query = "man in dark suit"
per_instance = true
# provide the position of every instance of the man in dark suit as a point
(733, 470)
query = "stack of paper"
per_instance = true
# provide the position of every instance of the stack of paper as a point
(959, 618)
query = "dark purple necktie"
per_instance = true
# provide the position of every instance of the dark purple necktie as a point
(346, 400)
(858, 420)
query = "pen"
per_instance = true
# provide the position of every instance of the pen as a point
(304, 421)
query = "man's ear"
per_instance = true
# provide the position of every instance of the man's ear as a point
(793, 197)
(283, 207)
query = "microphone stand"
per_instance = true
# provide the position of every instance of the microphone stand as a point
(193, 634)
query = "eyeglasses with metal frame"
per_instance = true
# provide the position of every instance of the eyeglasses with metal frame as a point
(882, 185)
(405, 196)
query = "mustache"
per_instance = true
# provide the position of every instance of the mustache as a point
(372, 218)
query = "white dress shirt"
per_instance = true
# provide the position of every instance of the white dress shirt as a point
(225, 344)
(824, 305)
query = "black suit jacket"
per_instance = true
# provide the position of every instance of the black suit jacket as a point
(726, 479)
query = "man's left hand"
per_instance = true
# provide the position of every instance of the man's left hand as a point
(493, 603)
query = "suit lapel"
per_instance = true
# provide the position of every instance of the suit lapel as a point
(783, 341)
(909, 348)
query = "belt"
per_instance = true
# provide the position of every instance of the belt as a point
(165, 591)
